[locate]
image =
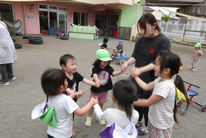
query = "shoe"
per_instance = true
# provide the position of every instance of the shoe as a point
(88, 122)
(4, 83)
(139, 125)
(143, 131)
(73, 133)
(102, 122)
(12, 79)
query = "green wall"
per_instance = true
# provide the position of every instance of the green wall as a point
(130, 15)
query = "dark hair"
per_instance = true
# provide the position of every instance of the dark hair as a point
(173, 62)
(105, 40)
(104, 45)
(150, 19)
(51, 80)
(125, 92)
(63, 59)
(97, 62)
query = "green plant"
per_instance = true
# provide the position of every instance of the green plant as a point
(165, 18)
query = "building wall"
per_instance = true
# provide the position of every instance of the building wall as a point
(31, 23)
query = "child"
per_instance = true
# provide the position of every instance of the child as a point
(101, 64)
(120, 48)
(195, 56)
(124, 94)
(162, 105)
(54, 84)
(68, 64)
(104, 44)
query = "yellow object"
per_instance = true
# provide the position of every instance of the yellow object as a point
(180, 95)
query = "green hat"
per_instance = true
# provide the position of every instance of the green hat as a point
(103, 55)
(48, 116)
(198, 45)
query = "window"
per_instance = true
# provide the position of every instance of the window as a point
(80, 18)
(43, 6)
(6, 12)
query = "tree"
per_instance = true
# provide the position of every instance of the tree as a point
(165, 18)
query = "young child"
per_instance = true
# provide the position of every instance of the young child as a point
(68, 64)
(124, 94)
(101, 64)
(54, 84)
(120, 48)
(104, 44)
(195, 56)
(162, 105)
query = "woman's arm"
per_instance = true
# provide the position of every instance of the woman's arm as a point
(140, 70)
(148, 102)
(126, 64)
(143, 85)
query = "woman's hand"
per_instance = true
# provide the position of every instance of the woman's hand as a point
(124, 67)
(135, 72)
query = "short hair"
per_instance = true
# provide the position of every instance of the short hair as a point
(51, 80)
(64, 58)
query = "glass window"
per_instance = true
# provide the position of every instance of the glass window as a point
(42, 6)
(80, 18)
(6, 12)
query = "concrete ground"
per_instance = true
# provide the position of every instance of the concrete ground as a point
(19, 98)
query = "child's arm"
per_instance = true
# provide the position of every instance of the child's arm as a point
(116, 73)
(89, 82)
(95, 77)
(137, 71)
(143, 85)
(98, 111)
(86, 108)
(200, 53)
(148, 102)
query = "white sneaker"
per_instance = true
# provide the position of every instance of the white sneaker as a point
(102, 122)
(88, 122)
(4, 83)
(12, 79)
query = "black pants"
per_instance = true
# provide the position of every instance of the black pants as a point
(6, 72)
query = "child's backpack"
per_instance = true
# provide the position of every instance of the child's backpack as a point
(115, 131)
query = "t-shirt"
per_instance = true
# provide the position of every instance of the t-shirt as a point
(145, 52)
(64, 107)
(114, 115)
(120, 48)
(74, 83)
(108, 85)
(161, 113)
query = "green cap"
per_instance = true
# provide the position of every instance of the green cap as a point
(49, 117)
(103, 55)
(198, 45)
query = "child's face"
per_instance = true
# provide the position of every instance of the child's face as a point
(103, 64)
(197, 48)
(71, 66)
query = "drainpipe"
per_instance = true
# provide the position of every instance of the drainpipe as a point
(23, 5)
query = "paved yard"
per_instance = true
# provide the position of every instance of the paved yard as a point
(18, 99)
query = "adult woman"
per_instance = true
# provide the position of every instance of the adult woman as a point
(7, 55)
(146, 49)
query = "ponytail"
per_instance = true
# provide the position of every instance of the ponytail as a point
(179, 83)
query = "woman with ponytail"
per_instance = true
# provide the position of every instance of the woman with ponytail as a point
(162, 102)
(123, 95)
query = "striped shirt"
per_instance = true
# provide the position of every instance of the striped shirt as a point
(161, 113)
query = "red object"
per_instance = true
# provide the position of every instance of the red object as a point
(151, 51)
(115, 34)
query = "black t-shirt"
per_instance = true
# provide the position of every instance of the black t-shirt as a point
(146, 51)
(74, 83)
(106, 87)
(119, 48)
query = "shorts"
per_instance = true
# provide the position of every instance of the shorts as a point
(102, 96)
(159, 133)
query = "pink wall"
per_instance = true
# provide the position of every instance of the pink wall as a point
(31, 23)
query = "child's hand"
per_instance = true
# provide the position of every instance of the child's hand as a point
(94, 100)
(124, 67)
(79, 93)
(135, 72)
(69, 91)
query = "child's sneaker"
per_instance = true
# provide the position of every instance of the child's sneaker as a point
(143, 131)
(88, 122)
(139, 125)
(102, 122)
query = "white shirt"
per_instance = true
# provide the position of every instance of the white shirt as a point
(64, 107)
(161, 113)
(114, 115)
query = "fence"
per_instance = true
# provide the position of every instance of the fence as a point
(185, 32)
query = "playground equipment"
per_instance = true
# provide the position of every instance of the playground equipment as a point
(191, 94)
